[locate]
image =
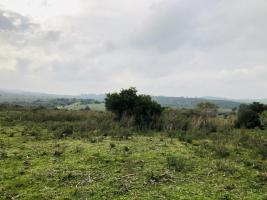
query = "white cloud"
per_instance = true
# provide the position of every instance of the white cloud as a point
(175, 47)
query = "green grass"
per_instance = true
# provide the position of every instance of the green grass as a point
(142, 167)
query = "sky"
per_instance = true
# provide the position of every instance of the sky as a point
(162, 47)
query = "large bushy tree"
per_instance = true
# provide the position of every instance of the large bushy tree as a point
(248, 116)
(127, 103)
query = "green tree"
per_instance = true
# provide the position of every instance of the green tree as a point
(248, 116)
(257, 107)
(127, 103)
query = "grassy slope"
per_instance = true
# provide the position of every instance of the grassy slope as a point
(80, 169)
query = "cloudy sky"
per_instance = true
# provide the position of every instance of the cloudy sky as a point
(162, 47)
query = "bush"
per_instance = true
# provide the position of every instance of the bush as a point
(141, 108)
(3, 154)
(156, 177)
(221, 150)
(248, 116)
(204, 124)
(63, 131)
(207, 109)
(263, 119)
(112, 145)
(178, 163)
(195, 121)
(262, 150)
(175, 119)
(225, 167)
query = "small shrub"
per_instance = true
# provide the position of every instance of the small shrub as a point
(225, 197)
(179, 163)
(222, 151)
(230, 187)
(185, 137)
(122, 133)
(263, 118)
(262, 150)
(219, 146)
(3, 154)
(33, 133)
(262, 177)
(11, 134)
(225, 167)
(126, 149)
(121, 186)
(112, 145)
(92, 139)
(156, 177)
(58, 153)
(255, 164)
(204, 124)
(26, 163)
(244, 140)
(63, 131)
(79, 149)
(175, 119)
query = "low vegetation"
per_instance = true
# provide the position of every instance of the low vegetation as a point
(135, 150)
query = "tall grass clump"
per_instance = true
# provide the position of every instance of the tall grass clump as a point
(178, 163)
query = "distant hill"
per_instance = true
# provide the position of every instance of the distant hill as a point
(98, 97)
(42, 99)
(264, 101)
(186, 102)
(33, 98)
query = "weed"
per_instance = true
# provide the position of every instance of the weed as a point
(93, 140)
(3, 154)
(58, 153)
(112, 145)
(154, 177)
(225, 167)
(262, 150)
(179, 163)
(222, 151)
(79, 149)
(126, 149)
(262, 177)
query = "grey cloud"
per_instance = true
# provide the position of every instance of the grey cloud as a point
(174, 47)
(52, 35)
(11, 21)
(23, 65)
(204, 25)
(174, 24)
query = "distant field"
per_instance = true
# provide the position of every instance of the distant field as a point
(32, 98)
(79, 106)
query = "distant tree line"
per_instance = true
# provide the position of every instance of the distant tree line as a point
(144, 112)
(135, 110)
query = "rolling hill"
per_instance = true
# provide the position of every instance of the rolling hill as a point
(34, 98)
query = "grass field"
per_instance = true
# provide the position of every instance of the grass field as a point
(142, 167)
